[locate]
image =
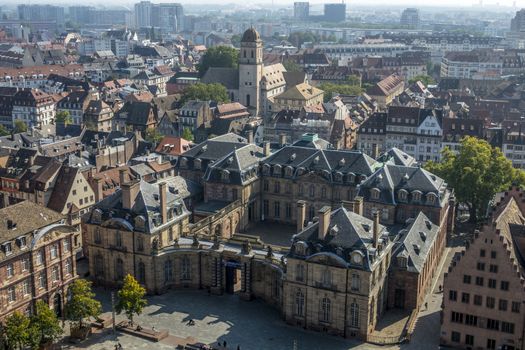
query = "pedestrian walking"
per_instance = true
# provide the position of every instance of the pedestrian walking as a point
(426, 305)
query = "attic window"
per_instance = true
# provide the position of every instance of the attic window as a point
(402, 195)
(402, 261)
(416, 196)
(7, 248)
(334, 230)
(431, 198)
(293, 156)
(417, 248)
(374, 193)
(423, 236)
(225, 175)
(428, 224)
(342, 162)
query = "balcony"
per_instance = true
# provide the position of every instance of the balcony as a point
(118, 248)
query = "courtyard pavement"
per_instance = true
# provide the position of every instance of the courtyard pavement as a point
(251, 325)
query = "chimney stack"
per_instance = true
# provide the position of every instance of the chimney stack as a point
(98, 190)
(375, 150)
(324, 221)
(301, 215)
(282, 140)
(250, 136)
(130, 191)
(122, 176)
(163, 196)
(376, 228)
(267, 150)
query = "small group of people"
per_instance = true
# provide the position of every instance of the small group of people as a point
(223, 345)
(118, 346)
(190, 322)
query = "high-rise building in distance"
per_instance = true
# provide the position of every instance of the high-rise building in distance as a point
(301, 10)
(410, 17)
(37, 13)
(335, 12)
(517, 24)
(166, 16)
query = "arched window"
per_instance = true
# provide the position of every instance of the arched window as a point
(185, 268)
(119, 269)
(299, 303)
(325, 314)
(168, 271)
(354, 315)
(142, 273)
(374, 193)
(299, 272)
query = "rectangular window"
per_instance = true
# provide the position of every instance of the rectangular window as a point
(490, 301)
(492, 324)
(25, 287)
(493, 268)
(469, 339)
(480, 266)
(10, 270)
(453, 295)
(25, 264)
(491, 344)
(11, 294)
(456, 317)
(67, 245)
(504, 285)
(466, 279)
(492, 283)
(479, 281)
(277, 209)
(54, 251)
(516, 306)
(288, 210)
(482, 253)
(465, 298)
(503, 304)
(493, 255)
(471, 320)
(42, 280)
(478, 300)
(507, 327)
(266, 207)
(456, 337)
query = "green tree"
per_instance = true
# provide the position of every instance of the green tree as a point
(63, 117)
(205, 92)
(45, 323)
(82, 303)
(299, 38)
(187, 134)
(131, 298)
(425, 79)
(291, 66)
(331, 89)
(353, 80)
(153, 136)
(477, 172)
(3, 131)
(219, 56)
(20, 126)
(16, 330)
(236, 40)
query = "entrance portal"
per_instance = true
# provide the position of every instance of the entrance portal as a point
(233, 277)
(57, 305)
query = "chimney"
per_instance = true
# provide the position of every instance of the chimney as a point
(163, 202)
(267, 150)
(324, 221)
(122, 176)
(130, 191)
(282, 140)
(376, 228)
(98, 190)
(250, 136)
(375, 150)
(357, 205)
(301, 215)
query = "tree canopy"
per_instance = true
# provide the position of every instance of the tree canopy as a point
(45, 323)
(20, 126)
(153, 136)
(299, 38)
(205, 92)
(331, 89)
(187, 134)
(82, 303)
(131, 298)
(63, 117)
(425, 79)
(15, 330)
(218, 56)
(3, 131)
(477, 172)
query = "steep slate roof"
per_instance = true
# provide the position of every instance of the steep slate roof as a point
(136, 113)
(389, 179)
(110, 212)
(236, 163)
(328, 162)
(300, 92)
(416, 241)
(229, 77)
(396, 156)
(347, 232)
(64, 183)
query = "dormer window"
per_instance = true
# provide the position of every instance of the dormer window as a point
(402, 262)
(357, 257)
(402, 195)
(22, 242)
(197, 164)
(288, 171)
(277, 170)
(338, 176)
(225, 175)
(431, 198)
(266, 169)
(8, 249)
(374, 193)
(416, 196)
(351, 177)
(300, 248)
(183, 162)
(140, 223)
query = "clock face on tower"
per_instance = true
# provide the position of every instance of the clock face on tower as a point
(356, 258)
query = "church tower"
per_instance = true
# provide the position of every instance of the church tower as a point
(251, 70)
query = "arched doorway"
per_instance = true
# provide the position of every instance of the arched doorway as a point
(57, 304)
(233, 276)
